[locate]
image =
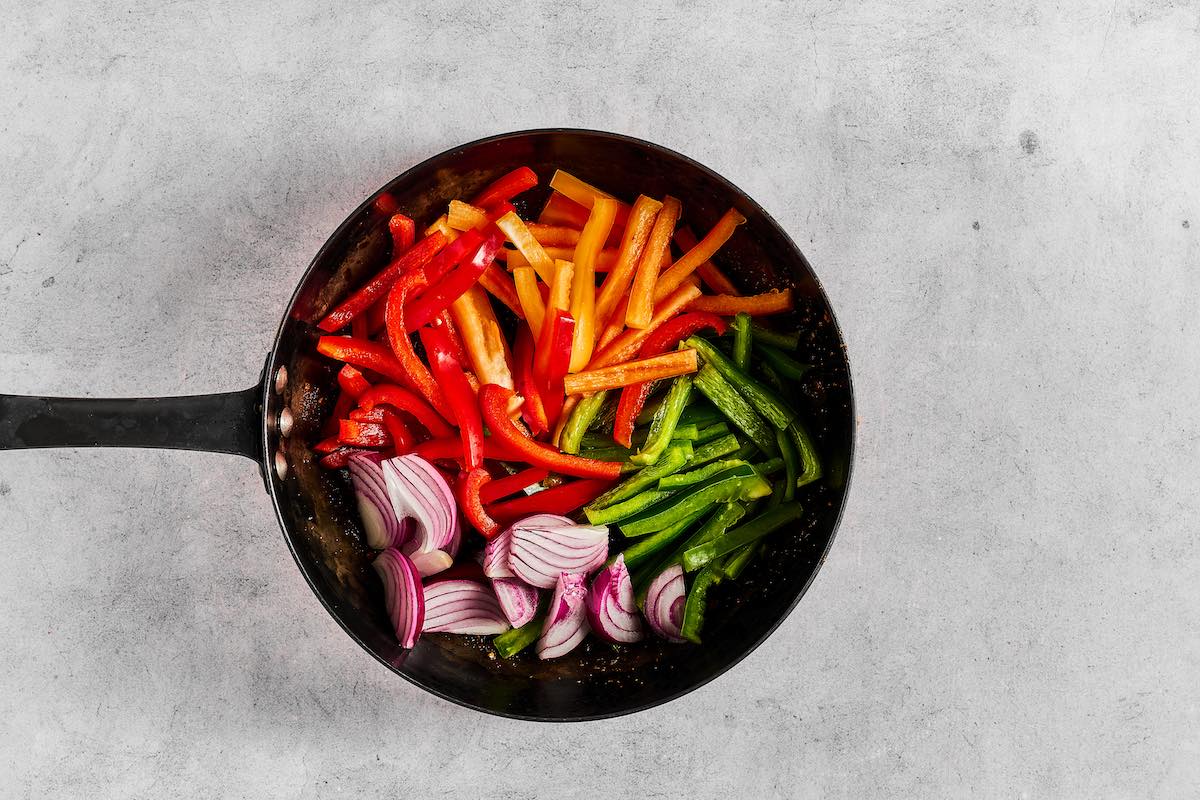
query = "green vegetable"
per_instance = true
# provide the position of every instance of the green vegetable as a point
(582, 417)
(717, 448)
(513, 641)
(735, 407)
(645, 548)
(787, 341)
(708, 432)
(599, 441)
(808, 453)
(678, 479)
(740, 482)
(770, 466)
(752, 531)
(761, 398)
(700, 414)
(665, 421)
(771, 375)
(741, 340)
(791, 462)
(627, 508)
(693, 611)
(737, 561)
(746, 450)
(674, 459)
(728, 514)
(788, 367)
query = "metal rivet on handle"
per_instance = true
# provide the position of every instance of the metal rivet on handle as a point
(285, 422)
(281, 465)
(281, 380)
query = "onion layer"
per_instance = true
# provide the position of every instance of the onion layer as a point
(459, 606)
(403, 593)
(518, 600)
(495, 555)
(540, 552)
(566, 624)
(612, 609)
(432, 563)
(419, 491)
(665, 600)
(382, 526)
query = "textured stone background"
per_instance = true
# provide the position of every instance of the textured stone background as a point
(1003, 201)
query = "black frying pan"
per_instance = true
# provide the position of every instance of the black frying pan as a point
(275, 421)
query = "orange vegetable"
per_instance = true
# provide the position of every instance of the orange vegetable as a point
(440, 224)
(604, 261)
(562, 210)
(554, 235)
(526, 282)
(668, 365)
(584, 193)
(482, 337)
(775, 302)
(583, 283)
(560, 286)
(625, 346)
(464, 216)
(713, 278)
(702, 252)
(496, 281)
(641, 220)
(514, 228)
(642, 294)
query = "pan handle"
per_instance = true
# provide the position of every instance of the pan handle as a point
(221, 423)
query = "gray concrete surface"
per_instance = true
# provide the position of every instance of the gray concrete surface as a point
(1002, 200)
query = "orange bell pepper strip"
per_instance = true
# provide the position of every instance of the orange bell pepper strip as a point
(465, 217)
(499, 488)
(709, 273)
(526, 286)
(501, 287)
(559, 297)
(637, 232)
(583, 282)
(605, 259)
(494, 401)
(627, 344)
(415, 373)
(562, 210)
(442, 226)
(506, 187)
(514, 228)
(668, 365)
(402, 399)
(585, 194)
(756, 305)
(703, 251)
(554, 235)
(487, 348)
(414, 259)
(642, 294)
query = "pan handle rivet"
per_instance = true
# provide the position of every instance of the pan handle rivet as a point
(281, 465)
(285, 422)
(281, 380)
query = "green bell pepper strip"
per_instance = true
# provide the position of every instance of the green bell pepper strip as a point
(813, 470)
(643, 549)
(735, 407)
(741, 340)
(697, 597)
(665, 421)
(791, 462)
(513, 641)
(787, 366)
(678, 479)
(710, 432)
(604, 441)
(674, 459)
(769, 467)
(762, 398)
(736, 483)
(582, 417)
(728, 514)
(771, 375)
(716, 449)
(626, 508)
(736, 563)
(700, 415)
(752, 531)
(786, 341)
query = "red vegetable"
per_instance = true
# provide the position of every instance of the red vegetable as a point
(365, 354)
(553, 359)
(665, 338)
(415, 373)
(453, 382)
(327, 445)
(506, 187)
(403, 593)
(467, 242)
(532, 411)
(561, 499)
(385, 204)
(363, 434)
(339, 457)
(511, 484)
(405, 400)
(438, 296)
(451, 449)
(402, 438)
(494, 401)
(412, 260)
(404, 233)
(468, 497)
(352, 381)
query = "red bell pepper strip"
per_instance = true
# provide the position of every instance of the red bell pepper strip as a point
(327, 445)
(449, 374)
(363, 415)
(360, 327)
(438, 296)
(553, 359)
(451, 449)
(560, 500)
(404, 233)
(500, 488)
(364, 354)
(665, 338)
(532, 411)
(402, 399)
(352, 381)
(341, 407)
(385, 205)
(339, 458)
(469, 486)
(494, 400)
(402, 438)
(362, 434)
(414, 259)
(460, 349)
(416, 374)
(449, 257)
(506, 187)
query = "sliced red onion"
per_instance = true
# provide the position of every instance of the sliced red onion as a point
(403, 594)
(612, 609)
(432, 563)
(540, 551)
(381, 525)
(518, 600)
(419, 491)
(459, 606)
(495, 555)
(665, 600)
(566, 624)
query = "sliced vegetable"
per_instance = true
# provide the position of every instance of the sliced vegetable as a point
(807, 449)
(741, 340)
(693, 611)
(382, 527)
(501, 287)
(532, 410)
(526, 287)
(552, 360)
(702, 252)
(363, 434)
(509, 643)
(717, 448)
(698, 475)
(412, 260)
(758, 305)
(665, 600)
(402, 399)
(365, 355)
(781, 361)
(453, 382)
(414, 372)
(647, 547)
(628, 344)
(612, 612)
(460, 606)
(740, 482)
(419, 491)
(562, 499)
(735, 408)
(500, 488)
(518, 600)
(665, 421)
(516, 231)
(627, 509)
(672, 460)
(566, 621)
(583, 281)
(540, 551)
(582, 417)
(468, 494)
(403, 595)
(713, 278)
(791, 462)
(637, 232)
(483, 338)
(643, 292)
(784, 341)
(752, 531)
(737, 562)
(667, 365)
(506, 187)
(710, 432)
(432, 563)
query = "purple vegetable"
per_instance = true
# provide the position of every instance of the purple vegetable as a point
(419, 491)
(495, 555)
(461, 606)
(665, 600)
(403, 593)
(518, 600)
(431, 563)
(612, 610)
(381, 525)
(541, 551)
(566, 624)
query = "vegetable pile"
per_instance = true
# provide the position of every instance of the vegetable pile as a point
(621, 449)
